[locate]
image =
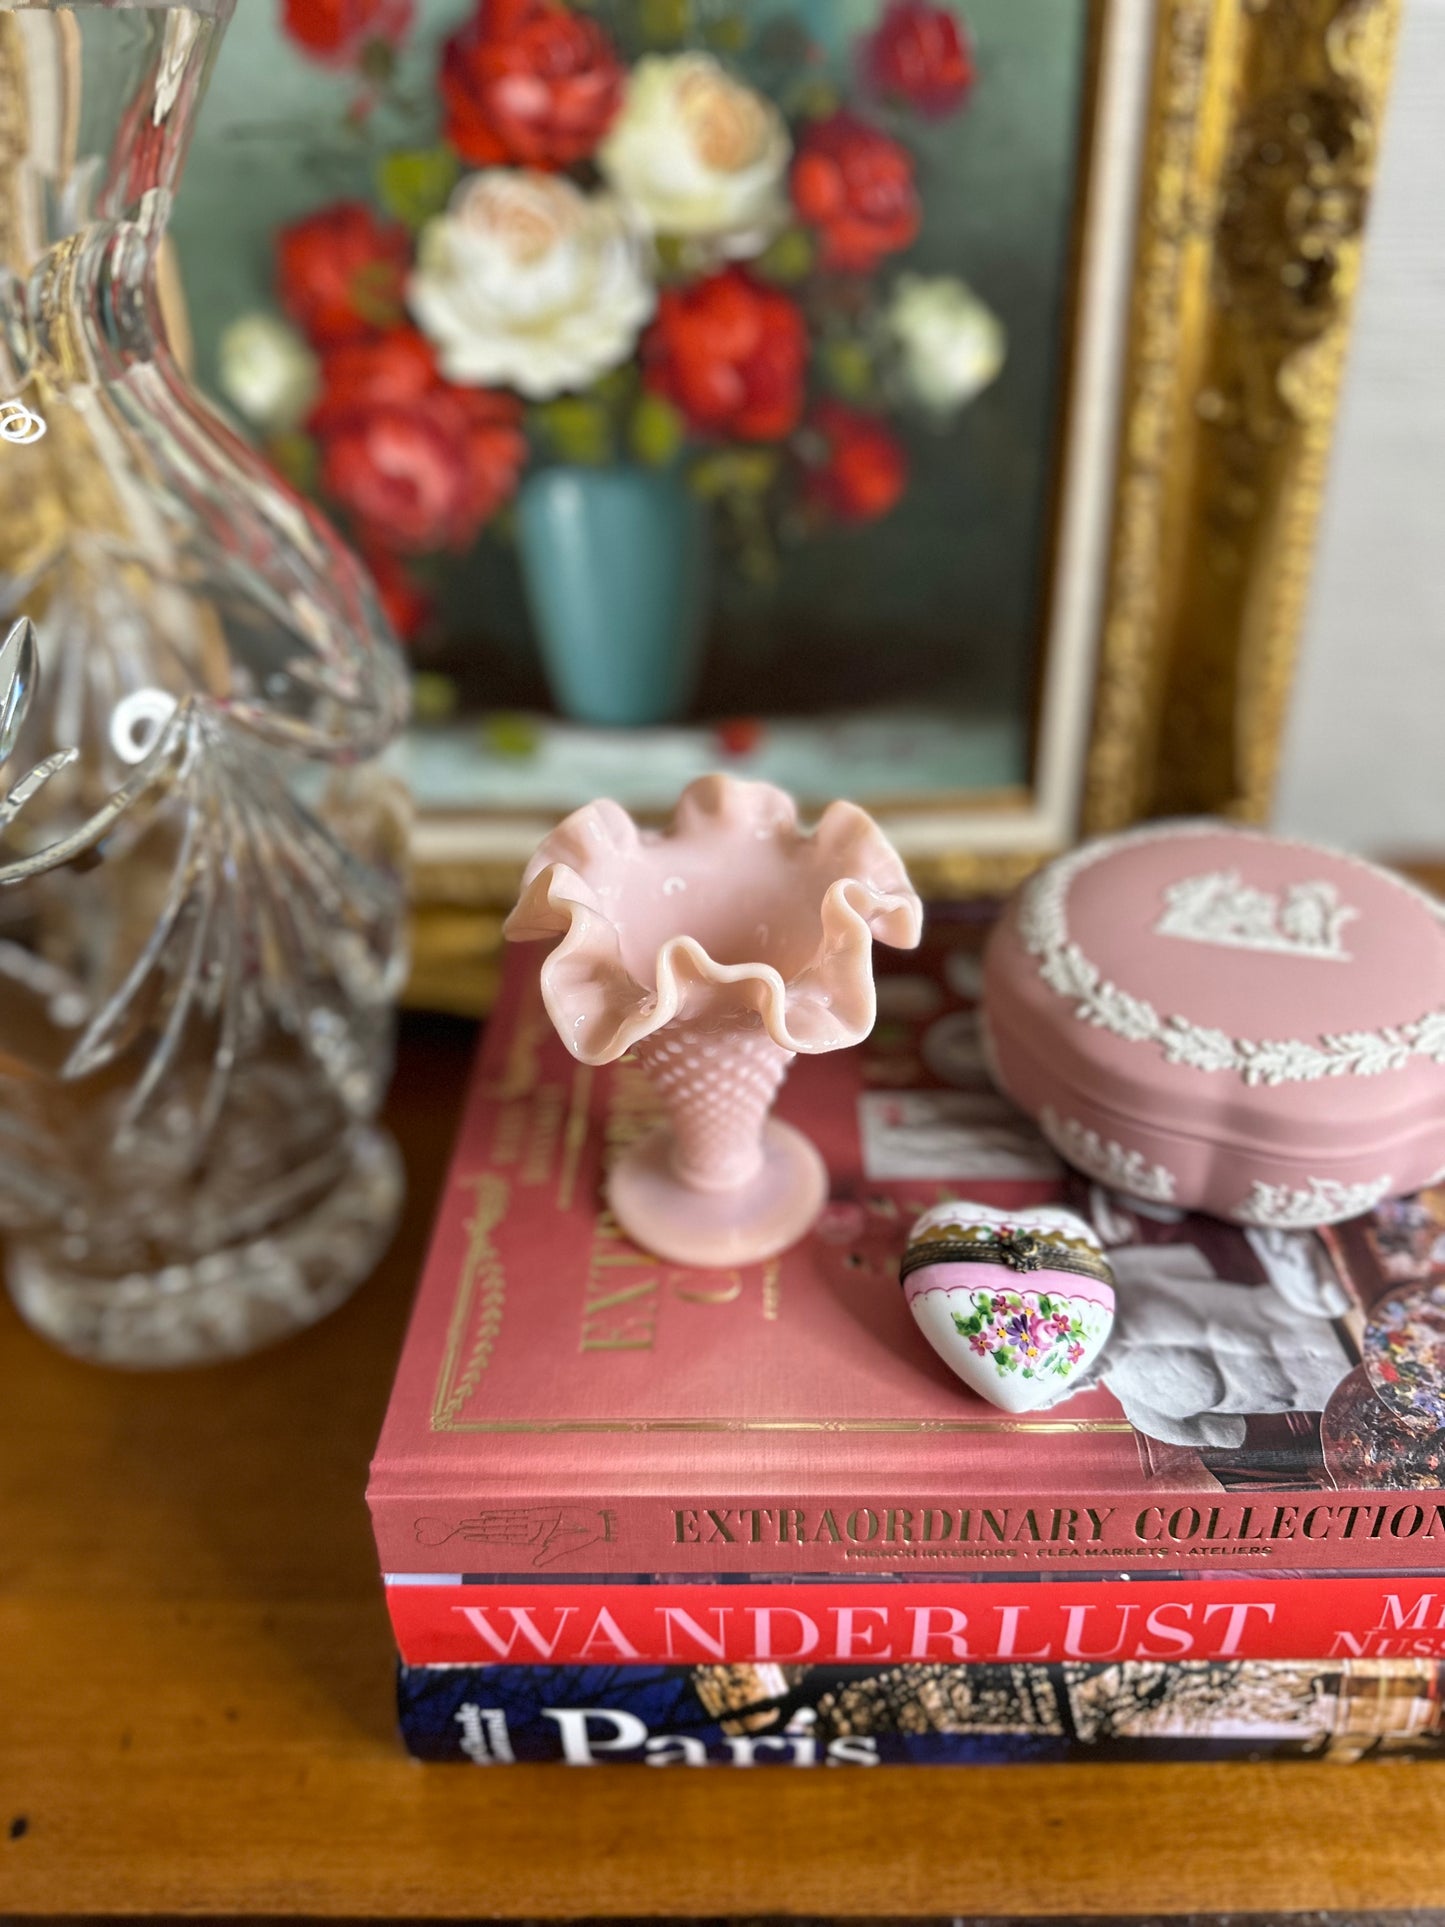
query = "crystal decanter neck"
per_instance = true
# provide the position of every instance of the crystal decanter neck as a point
(141, 507)
(96, 107)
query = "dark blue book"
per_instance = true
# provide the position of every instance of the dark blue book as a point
(852, 1716)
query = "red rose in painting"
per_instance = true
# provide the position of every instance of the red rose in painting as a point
(528, 82)
(919, 56)
(730, 354)
(341, 272)
(408, 606)
(417, 463)
(427, 475)
(397, 366)
(339, 33)
(855, 186)
(861, 468)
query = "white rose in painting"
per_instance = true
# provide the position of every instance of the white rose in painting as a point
(267, 372)
(950, 346)
(526, 282)
(699, 155)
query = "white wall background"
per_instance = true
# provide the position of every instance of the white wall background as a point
(1364, 759)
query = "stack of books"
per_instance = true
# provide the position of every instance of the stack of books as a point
(631, 1512)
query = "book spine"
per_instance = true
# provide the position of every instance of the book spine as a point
(1211, 1618)
(920, 1534)
(744, 1716)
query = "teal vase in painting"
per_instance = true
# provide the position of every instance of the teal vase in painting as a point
(615, 564)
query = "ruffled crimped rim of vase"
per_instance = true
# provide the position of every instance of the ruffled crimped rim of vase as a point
(599, 1007)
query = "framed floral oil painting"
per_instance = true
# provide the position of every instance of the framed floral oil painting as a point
(918, 400)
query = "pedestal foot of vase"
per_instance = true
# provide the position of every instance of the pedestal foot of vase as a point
(233, 1300)
(756, 1219)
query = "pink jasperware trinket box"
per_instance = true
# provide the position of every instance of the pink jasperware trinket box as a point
(1218, 1019)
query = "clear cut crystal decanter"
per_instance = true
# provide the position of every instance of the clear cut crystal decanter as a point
(201, 871)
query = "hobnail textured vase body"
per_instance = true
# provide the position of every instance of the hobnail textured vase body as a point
(720, 1181)
(717, 1084)
(201, 929)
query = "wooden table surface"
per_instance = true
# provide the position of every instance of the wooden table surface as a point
(195, 1698)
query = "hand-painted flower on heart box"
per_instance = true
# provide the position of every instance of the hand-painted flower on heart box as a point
(1024, 1332)
(1024, 1341)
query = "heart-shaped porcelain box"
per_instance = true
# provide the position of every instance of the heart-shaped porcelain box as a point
(1223, 1020)
(1017, 1303)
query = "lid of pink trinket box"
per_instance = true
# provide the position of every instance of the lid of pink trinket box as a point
(1223, 983)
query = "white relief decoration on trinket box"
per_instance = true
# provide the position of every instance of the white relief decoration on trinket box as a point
(1106, 1159)
(1324, 1201)
(1044, 933)
(1219, 907)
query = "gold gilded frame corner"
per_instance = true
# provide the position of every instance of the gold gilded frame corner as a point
(1264, 124)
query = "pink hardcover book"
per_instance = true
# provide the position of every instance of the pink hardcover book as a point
(567, 1404)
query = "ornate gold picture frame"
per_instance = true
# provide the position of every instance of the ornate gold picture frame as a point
(1265, 122)
(1250, 183)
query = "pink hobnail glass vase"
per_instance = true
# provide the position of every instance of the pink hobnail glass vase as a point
(717, 950)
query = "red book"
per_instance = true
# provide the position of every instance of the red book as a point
(447, 1621)
(567, 1404)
